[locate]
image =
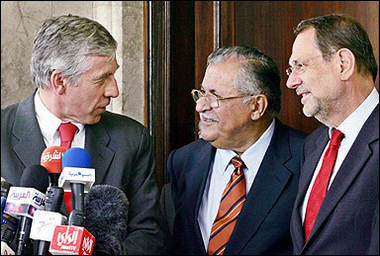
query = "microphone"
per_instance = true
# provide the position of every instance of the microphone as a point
(45, 221)
(8, 223)
(77, 176)
(23, 201)
(51, 159)
(7, 235)
(5, 218)
(106, 209)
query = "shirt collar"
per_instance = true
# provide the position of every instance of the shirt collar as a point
(47, 121)
(354, 122)
(251, 157)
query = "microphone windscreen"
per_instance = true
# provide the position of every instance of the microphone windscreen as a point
(106, 210)
(35, 176)
(51, 159)
(76, 157)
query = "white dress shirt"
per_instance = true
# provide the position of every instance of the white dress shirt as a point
(350, 128)
(49, 125)
(220, 174)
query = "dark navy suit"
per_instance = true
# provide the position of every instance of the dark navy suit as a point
(263, 224)
(343, 224)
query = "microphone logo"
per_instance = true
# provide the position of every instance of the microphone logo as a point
(39, 201)
(23, 201)
(18, 195)
(48, 156)
(72, 240)
(67, 238)
(87, 244)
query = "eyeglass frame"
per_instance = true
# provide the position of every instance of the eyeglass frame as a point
(218, 98)
(301, 65)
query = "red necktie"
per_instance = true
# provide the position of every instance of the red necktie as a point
(318, 192)
(67, 132)
(230, 206)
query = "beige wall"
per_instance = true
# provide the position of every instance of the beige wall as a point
(20, 21)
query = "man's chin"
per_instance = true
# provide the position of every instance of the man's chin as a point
(93, 120)
(208, 137)
(308, 112)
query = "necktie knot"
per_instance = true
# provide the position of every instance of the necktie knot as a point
(67, 132)
(336, 137)
(238, 164)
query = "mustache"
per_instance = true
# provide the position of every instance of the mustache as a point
(204, 116)
(300, 91)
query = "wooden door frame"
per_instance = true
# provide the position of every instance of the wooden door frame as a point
(157, 81)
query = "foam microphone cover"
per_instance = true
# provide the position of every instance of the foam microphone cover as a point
(106, 210)
(76, 157)
(35, 176)
(51, 159)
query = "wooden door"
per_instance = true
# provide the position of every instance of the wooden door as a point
(181, 34)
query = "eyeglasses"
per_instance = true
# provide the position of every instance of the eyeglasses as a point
(212, 99)
(300, 67)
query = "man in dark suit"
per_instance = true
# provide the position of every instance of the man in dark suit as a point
(238, 104)
(73, 66)
(333, 68)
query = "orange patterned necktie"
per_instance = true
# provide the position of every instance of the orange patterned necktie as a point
(230, 206)
(67, 132)
(318, 192)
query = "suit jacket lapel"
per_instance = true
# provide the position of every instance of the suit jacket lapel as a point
(27, 131)
(268, 185)
(97, 139)
(350, 168)
(196, 178)
(307, 172)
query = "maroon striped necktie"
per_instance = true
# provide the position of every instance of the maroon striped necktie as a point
(230, 206)
(318, 192)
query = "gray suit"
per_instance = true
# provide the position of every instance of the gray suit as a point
(343, 224)
(121, 154)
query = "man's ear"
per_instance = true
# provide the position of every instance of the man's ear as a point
(347, 63)
(57, 82)
(258, 104)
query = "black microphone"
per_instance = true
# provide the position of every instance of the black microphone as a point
(45, 221)
(23, 201)
(106, 210)
(7, 234)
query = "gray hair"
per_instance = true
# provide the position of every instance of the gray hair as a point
(336, 31)
(65, 43)
(258, 74)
